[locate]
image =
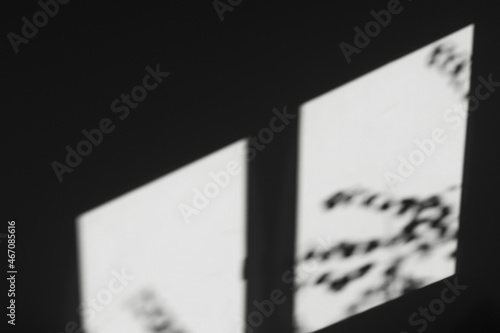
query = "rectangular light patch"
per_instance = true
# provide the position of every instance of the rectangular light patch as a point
(168, 256)
(380, 172)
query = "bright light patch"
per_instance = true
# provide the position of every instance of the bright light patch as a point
(145, 267)
(380, 171)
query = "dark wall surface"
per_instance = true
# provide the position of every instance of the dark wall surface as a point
(225, 79)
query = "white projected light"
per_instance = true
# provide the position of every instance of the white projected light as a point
(380, 171)
(168, 256)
